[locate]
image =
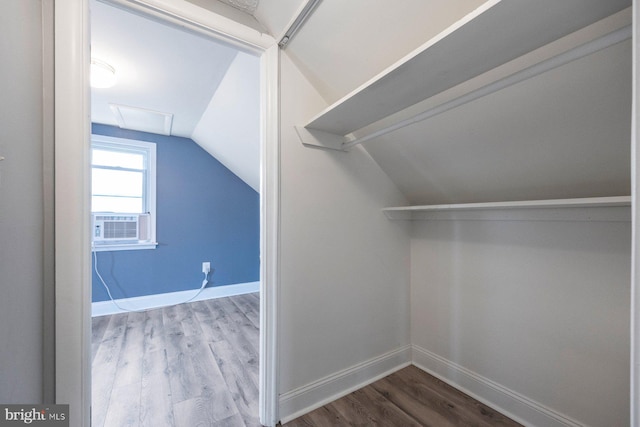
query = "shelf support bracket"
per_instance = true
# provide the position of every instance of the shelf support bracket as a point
(322, 140)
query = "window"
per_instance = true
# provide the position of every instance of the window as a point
(123, 200)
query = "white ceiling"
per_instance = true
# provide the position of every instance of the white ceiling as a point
(230, 127)
(562, 134)
(158, 67)
(276, 15)
(247, 6)
(161, 68)
(240, 11)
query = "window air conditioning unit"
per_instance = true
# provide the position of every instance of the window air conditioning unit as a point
(126, 228)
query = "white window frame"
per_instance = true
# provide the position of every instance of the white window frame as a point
(149, 191)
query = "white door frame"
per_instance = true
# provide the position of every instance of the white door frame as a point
(635, 239)
(72, 243)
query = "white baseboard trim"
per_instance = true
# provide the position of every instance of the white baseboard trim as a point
(305, 399)
(148, 302)
(508, 402)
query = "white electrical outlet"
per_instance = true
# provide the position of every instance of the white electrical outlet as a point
(206, 267)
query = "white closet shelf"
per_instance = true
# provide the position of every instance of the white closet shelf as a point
(495, 33)
(407, 212)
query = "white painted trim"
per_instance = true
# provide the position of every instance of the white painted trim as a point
(508, 402)
(607, 209)
(589, 214)
(72, 243)
(302, 400)
(150, 150)
(195, 18)
(124, 247)
(269, 234)
(48, 241)
(72, 123)
(148, 302)
(635, 236)
(608, 214)
(523, 204)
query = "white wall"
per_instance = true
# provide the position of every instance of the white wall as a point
(540, 308)
(21, 202)
(344, 267)
(229, 128)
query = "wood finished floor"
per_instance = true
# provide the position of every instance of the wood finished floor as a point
(196, 364)
(193, 364)
(407, 398)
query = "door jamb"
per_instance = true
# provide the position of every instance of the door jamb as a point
(72, 243)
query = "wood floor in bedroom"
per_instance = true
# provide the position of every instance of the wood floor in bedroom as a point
(193, 364)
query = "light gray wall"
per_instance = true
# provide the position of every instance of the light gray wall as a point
(635, 194)
(541, 308)
(21, 202)
(344, 267)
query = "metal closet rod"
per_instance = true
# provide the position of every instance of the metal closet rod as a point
(578, 52)
(298, 22)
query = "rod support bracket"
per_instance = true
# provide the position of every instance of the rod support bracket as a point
(319, 139)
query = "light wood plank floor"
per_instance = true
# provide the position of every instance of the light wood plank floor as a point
(407, 398)
(196, 364)
(193, 364)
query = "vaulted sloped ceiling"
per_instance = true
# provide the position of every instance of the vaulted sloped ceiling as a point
(189, 77)
(229, 128)
(158, 67)
(562, 134)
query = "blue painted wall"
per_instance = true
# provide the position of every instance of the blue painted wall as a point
(204, 213)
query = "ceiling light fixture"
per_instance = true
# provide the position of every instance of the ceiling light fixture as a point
(103, 75)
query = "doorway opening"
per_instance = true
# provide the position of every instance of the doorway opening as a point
(166, 340)
(72, 207)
